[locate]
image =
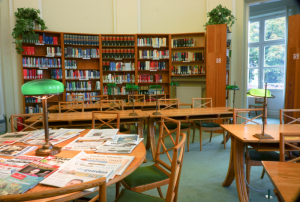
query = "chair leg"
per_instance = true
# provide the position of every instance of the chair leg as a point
(224, 138)
(211, 133)
(200, 139)
(188, 140)
(118, 184)
(159, 192)
(248, 169)
(263, 174)
(194, 130)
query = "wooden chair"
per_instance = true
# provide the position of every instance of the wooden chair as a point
(75, 106)
(152, 97)
(38, 124)
(59, 192)
(160, 173)
(111, 123)
(163, 104)
(259, 102)
(289, 142)
(72, 98)
(136, 98)
(205, 126)
(96, 99)
(111, 105)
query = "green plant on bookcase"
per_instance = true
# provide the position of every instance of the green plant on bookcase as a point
(26, 19)
(220, 15)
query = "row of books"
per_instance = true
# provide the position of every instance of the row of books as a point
(82, 74)
(151, 65)
(154, 54)
(149, 78)
(39, 39)
(144, 90)
(32, 110)
(183, 42)
(187, 56)
(118, 66)
(81, 86)
(41, 62)
(81, 53)
(71, 39)
(28, 50)
(53, 51)
(70, 64)
(118, 53)
(56, 73)
(118, 79)
(117, 40)
(32, 74)
(115, 91)
(188, 70)
(31, 99)
(86, 95)
(154, 42)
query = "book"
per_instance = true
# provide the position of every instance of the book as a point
(100, 134)
(11, 138)
(15, 150)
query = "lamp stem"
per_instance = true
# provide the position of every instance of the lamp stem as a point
(234, 95)
(45, 117)
(156, 97)
(264, 110)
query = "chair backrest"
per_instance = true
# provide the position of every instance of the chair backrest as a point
(168, 104)
(72, 98)
(237, 112)
(259, 100)
(111, 105)
(136, 98)
(201, 102)
(67, 107)
(177, 147)
(38, 124)
(152, 97)
(96, 99)
(289, 142)
(101, 183)
(289, 117)
(109, 119)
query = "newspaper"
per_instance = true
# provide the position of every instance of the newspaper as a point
(100, 134)
(55, 160)
(79, 145)
(11, 138)
(123, 140)
(117, 148)
(15, 150)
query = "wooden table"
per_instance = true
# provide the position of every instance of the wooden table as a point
(241, 134)
(139, 154)
(285, 178)
(90, 107)
(181, 114)
(84, 119)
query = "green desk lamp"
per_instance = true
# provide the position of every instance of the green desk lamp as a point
(156, 88)
(131, 87)
(262, 93)
(45, 88)
(234, 88)
(112, 85)
(174, 84)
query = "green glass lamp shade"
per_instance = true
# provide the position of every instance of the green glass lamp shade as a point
(111, 85)
(232, 87)
(154, 87)
(259, 93)
(174, 84)
(42, 87)
(131, 87)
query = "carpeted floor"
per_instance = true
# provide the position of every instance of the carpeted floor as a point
(204, 171)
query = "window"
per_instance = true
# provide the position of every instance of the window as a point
(266, 52)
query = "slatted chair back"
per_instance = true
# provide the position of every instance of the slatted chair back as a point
(289, 118)
(202, 102)
(75, 106)
(152, 97)
(289, 142)
(237, 112)
(111, 105)
(164, 104)
(59, 192)
(38, 124)
(136, 98)
(72, 98)
(96, 99)
(109, 119)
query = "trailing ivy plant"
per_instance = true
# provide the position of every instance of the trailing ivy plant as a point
(220, 15)
(26, 18)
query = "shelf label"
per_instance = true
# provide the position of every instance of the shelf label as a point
(83, 79)
(86, 58)
(296, 56)
(157, 46)
(49, 56)
(39, 44)
(118, 58)
(43, 67)
(155, 58)
(153, 70)
(186, 61)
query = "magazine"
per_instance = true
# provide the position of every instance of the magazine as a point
(11, 138)
(79, 145)
(38, 169)
(100, 134)
(117, 148)
(123, 140)
(55, 160)
(15, 150)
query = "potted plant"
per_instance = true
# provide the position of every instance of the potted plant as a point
(25, 23)
(220, 15)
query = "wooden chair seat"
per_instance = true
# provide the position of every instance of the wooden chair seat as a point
(263, 156)
(145, 176)
(208, 124)
(296, 153)
(127, 195)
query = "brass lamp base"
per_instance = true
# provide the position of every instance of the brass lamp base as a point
(156, 113)
(47, 150)
(230, 110)
(263, 136)
(133, 114)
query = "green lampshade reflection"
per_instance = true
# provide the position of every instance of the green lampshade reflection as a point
(154, 87)
(42, 87)
(111, 85)
(259, 93)
(131, 87)
(174, 84)
(232, 87)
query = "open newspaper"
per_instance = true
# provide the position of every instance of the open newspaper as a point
(118, 147)
(123, 140)
(15, 150)
(80, 145)
(100, 134)
(55, 160)
(11, 138)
